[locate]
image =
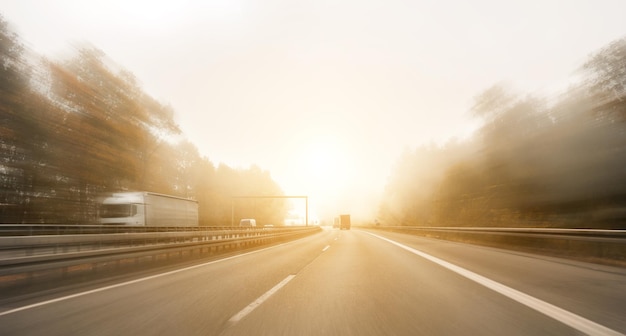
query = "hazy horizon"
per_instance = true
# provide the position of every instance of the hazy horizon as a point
(325, 95)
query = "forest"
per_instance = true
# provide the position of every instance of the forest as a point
(73, 130)
(538, 160)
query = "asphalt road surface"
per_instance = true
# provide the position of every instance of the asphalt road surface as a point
(351, 282)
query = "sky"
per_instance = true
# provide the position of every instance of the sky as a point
(326, 95)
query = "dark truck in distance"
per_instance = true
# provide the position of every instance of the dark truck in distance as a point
(344, 222)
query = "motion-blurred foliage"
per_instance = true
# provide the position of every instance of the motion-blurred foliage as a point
(73, 130)
(540, 162)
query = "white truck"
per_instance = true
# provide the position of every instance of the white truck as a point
(249, 222)
(147, 209)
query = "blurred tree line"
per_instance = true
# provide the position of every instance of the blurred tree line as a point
(73, 130)
(536, 162)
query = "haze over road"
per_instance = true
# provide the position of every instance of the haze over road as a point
(326, 95)
(342, 283)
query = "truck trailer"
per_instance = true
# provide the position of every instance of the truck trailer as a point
(344, 222)
(147, 209)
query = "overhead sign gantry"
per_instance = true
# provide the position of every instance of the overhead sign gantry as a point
(232, 205)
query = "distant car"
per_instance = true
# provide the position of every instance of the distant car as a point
(248, 222)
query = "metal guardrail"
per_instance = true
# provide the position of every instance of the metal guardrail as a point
(604, 246)
(612, 236)
(95, 240)
(45, 252)
(65, 229)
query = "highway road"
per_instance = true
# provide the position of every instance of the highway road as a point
(352, 282)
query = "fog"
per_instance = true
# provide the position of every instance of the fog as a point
(540, 161)
(325, 99)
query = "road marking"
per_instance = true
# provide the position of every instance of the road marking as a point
(326, 248)
(237, 317)
(575, 321)
(101, 289)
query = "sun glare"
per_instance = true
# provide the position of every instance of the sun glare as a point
(323, 161)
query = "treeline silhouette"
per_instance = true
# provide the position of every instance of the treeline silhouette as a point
(537, 161)
(73, 130)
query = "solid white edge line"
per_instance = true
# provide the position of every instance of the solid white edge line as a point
(43, 303)
(237, 317)
(575, 321)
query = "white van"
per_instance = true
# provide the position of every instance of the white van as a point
(247, 222)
